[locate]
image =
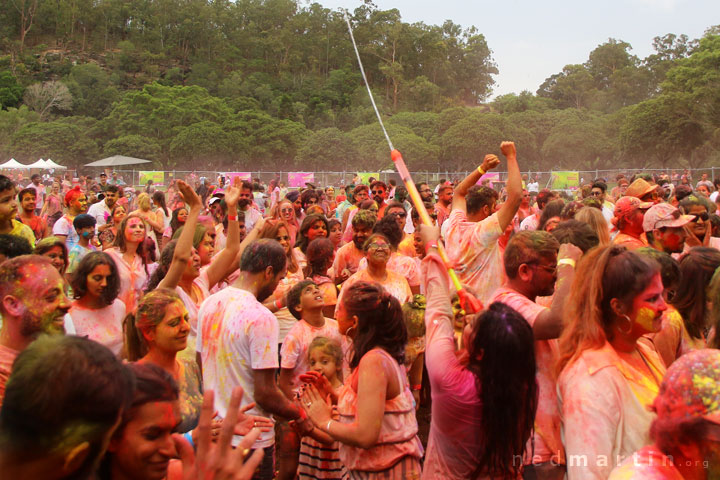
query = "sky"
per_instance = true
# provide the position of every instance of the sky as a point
(532, 40)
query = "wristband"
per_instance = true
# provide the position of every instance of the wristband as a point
(416, 387)
(278, 304)
(430, 245)
(566, 261)
(481, 171)
(188, 437)
(327, 425)
(232, 218)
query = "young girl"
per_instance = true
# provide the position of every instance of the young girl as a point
(336, 232)
(320, 256)
(319, 457)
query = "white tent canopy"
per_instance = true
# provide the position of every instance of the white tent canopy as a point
(13, 164)
(39, 164)
(49, 164)
(116, 161)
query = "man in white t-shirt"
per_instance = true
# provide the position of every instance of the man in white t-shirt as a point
(239, 344)
(101, 210)
(474, 227)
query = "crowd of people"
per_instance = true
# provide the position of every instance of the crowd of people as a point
(242, 330)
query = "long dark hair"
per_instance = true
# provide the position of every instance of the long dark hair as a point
(690, 299)
(119, 241)
(302, 240)
(502, 358)
(78, 279)
(152, 384)
(174, 222)
(319, 252)
(163, 265)
(380, 321)
(158, 199)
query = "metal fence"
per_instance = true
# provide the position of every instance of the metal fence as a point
(326, 178)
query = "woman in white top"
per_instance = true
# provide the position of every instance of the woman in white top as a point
(97, 313)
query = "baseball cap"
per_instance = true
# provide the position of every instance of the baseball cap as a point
(664, 215)
(691, 387)
(627, 205)
(639, 188)
(214, 200)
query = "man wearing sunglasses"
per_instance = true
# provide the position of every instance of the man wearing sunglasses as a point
(378, 190)
(598, 191)
(664, 227)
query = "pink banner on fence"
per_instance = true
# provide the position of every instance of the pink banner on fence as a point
(299, 179)
(229, 176)
(492, 176)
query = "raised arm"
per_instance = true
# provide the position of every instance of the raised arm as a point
(489, 162)
(183, 248)
(514, 186)
(549, 323)
(224, 262)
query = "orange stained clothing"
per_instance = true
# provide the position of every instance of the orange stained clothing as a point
(629, 242)
(7, 357)
(396, 285)
(604, 404)
(348, 256)
(402, 265)
(673, 339)
(132, 278)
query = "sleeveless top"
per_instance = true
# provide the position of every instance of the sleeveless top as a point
(398, 432)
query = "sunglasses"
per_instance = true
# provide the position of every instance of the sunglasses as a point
(378, 192)
(401, 215)
(701, 216)
(286, 210)
(378, 246)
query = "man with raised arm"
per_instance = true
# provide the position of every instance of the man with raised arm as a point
(474, 227)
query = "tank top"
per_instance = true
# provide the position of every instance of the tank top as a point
(398, 432)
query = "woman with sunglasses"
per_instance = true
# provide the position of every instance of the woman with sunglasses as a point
(698, 231)
(377, 253)
(285, 212)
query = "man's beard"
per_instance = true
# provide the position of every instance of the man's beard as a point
(243, 203)
(31, 327)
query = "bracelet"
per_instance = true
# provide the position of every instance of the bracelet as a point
(416, 387)
(566, 261)
(278, 304)
(327, 425)
(430, 245)
(232, 218)
(481, 171)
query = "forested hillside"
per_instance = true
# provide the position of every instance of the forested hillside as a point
(274, 84)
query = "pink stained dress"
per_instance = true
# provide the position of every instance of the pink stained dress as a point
(103, 325)
(398, 432)
(604, 403)
(455, 444)
(132, 278)
(546, 443)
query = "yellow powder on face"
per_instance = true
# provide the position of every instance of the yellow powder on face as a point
(645, 318)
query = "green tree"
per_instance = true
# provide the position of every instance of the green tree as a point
(11, 92)
(133, 146)
(327, 147)
(92, 92)
(61, 141)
